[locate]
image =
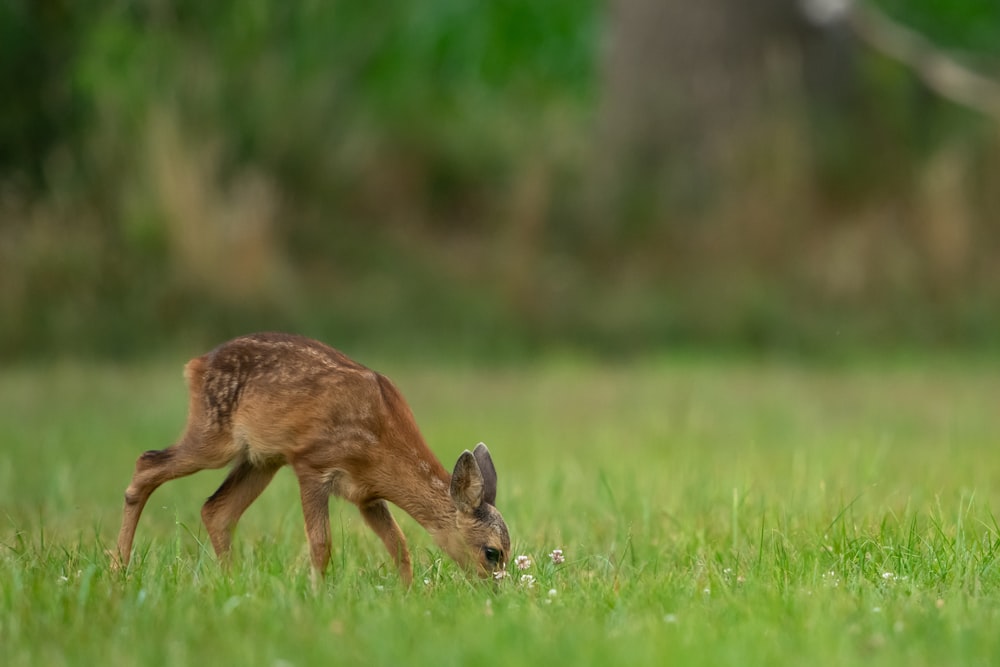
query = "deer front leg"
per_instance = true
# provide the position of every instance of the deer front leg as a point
(376, 514)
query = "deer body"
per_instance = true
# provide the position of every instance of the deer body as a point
(260, 402)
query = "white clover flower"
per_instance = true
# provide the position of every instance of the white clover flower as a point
(528, 580)
(500, 574)
(557, 556)
(522, 562)
(553, 592)
(888, 576)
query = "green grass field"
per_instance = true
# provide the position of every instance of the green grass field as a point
(710, 512)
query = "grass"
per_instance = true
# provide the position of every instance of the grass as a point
(711, 512)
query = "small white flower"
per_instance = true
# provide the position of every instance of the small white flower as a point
(231, 605)
(557, 556)
(552, 593)
(707, 590)
(522, 562)
(427, 582)
(500, 574)
(888, 576)
(528, 580)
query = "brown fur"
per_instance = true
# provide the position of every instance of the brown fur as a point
(262, 401)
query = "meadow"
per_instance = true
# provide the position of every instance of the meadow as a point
(710, 512)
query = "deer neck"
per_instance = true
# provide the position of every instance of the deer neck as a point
(420, 486)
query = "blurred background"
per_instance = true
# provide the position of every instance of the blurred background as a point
(499, 177)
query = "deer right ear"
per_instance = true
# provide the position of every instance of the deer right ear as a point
(489, 472)
(467, 483)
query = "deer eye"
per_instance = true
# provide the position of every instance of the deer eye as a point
(492, 555)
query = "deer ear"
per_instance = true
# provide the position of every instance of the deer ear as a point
(489, 472)
(467, 483)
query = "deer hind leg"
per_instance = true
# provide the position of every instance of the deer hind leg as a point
(315, 493)
(223, 510)
(155, 467)
(376, 514)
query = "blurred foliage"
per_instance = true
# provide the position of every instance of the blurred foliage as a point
(41, 108)
(422, 175)
(968, 26)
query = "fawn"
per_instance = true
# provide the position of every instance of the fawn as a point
(266, 400)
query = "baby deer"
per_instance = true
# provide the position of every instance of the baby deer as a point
(266, 400)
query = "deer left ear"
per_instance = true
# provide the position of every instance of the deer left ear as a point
(467, 483)
(489, 472)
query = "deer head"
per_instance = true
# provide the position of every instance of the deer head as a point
(480, 541)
